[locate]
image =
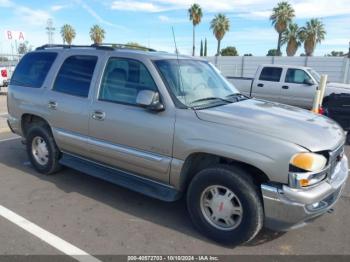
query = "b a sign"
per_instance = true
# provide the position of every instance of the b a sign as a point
(14, 35)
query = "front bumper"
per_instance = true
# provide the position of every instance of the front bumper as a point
(288, 208)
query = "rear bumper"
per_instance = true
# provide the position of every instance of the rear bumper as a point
(288, 208)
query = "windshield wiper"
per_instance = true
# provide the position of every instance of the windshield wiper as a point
(211, 98)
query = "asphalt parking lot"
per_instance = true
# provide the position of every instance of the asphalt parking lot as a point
(101, 218)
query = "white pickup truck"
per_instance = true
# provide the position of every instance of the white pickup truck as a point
(292, 85)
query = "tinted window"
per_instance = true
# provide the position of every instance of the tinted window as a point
(75, 75)
(32, 69)
(272, 74)
(123, 79)
(297, 76)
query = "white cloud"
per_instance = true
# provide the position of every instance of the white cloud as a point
(171, 20)
(248, 8)
(33, 17)
(137, 6)
(5, 3)
(94, 14)
(56, 8)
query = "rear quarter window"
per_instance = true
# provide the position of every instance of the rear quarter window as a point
(272, 74)
(32, 69)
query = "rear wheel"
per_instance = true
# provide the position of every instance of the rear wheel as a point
(225, 205)
(42, 150)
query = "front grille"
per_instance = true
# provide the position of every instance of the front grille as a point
(334, 158)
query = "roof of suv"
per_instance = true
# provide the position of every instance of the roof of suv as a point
(149, 53)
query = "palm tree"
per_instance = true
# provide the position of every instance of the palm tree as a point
(312, 34)
(97, 34)
(291, 37)
(220, 25)
(281, 17)
(68, 34)
(195, 13)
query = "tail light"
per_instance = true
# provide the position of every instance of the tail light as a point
(321, 111)
(4, 73)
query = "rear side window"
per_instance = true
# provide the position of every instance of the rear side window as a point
(75, 75)
(32, 69)
(272, 74)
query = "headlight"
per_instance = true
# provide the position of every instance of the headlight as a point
(307, 169)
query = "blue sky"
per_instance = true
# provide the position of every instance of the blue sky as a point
(149, 22)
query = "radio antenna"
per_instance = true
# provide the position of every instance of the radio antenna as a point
(179, 76)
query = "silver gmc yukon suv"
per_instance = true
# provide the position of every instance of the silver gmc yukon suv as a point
(169, 126)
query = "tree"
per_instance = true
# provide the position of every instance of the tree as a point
(248, 54)
(229, 51)
(272, 52)
(195, 14)
(68, 34)
(220, 25)
(201, 51)
(97, 34)
(135, 45)
(291, 37)
(312, 34)
(205, 48)
(24, 48)
(281, 17)
(336, 53)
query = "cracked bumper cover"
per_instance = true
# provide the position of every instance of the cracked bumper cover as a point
(288, 208)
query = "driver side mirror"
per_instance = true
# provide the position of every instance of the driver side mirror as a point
(149, 100)
(309, 82)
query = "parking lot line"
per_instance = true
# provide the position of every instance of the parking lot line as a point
(46, 236)
(9, 139)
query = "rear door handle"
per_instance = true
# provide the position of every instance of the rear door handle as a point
(52, 105)
(285, 87)
(99, 115)
(260, 85)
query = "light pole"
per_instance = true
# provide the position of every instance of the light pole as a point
(349, 51)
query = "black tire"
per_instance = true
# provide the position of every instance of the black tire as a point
(242, 185)
(43, 131)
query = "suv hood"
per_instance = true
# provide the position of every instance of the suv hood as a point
(301, 127)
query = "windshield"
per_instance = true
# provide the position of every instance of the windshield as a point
(196, 83)
(315, 75)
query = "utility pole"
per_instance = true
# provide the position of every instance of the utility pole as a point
(349, 51)
(50, 30)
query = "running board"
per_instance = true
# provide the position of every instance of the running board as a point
(121, 178)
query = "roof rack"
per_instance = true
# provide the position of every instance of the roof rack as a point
(124, 46)
(102, 46)
(47, 46)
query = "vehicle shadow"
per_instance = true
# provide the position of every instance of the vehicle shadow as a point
(171, 215)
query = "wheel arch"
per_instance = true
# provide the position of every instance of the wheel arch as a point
(200, 160)
(28, 119)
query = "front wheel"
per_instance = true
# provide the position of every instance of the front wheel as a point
(225, 205)
(42, 150)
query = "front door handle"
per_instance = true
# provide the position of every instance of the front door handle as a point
(260, 85)
(99, 115)
(52, 105)
(285, 87)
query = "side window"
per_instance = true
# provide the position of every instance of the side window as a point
(297, 76)
(74, 77)
(123, 79)
(272, 74)
(32, 69)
